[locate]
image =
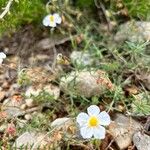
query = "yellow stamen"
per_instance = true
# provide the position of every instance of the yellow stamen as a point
(52, 18)
(93, 121)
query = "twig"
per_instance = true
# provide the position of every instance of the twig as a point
(108, 147)
(6, 9)
(101, 6)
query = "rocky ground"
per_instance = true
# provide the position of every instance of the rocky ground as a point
(40, 96)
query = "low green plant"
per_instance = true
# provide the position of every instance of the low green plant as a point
(141, 104)
(23, 79)
(43, 97)
(138, 9)
(21, 12)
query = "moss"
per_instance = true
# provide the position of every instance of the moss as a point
(22, 12)
(138, 9)
(85, 3)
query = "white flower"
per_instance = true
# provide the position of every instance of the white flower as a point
(91, 124)
(52, 20)
(2, 56)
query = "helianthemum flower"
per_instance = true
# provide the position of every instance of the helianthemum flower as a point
(91, 124)
(52, 20)
(2, 56)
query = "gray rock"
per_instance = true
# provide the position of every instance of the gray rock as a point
(30, 140)
(23, 106)
(122, 130)
(28, 117)
(29, 102)
(60, 121)
(84, 83)
(12, 103)
(81, 58)
(134, 31)
(12, 107)
(66, 126)
(141, 141)
(13, 111)
(26, 139)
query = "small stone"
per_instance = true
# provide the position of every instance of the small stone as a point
(29, 102)
(13, 111)
(122, 130)
(81, 58)
(66, 126)
(26, 139)
(141, 141)
(13, 102)
(31, 139)
(60, 122)
(86, 83)
(134, 31)
(28, 117)
(3, 127)
(23, 106)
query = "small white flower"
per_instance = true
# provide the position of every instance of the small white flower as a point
(91, 124)
(52, 20)
(2, 56)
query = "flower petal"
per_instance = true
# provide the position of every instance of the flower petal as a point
(104, 118)
(52, 24)
(46, 20)
(99, 132)
(57, 18)
(2, 55)
(82, 119)
(86, 132)
(93, 110)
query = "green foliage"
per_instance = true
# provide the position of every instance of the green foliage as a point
(23, 79)
(141, 104)
(138, 8)
(85, 3)
(21, 13)
(42, 97)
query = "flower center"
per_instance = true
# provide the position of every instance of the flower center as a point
(52, 18)
(93, 121)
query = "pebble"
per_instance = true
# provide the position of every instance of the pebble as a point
(23, 106)
(28, 117)
(122, 129)
(29, 102)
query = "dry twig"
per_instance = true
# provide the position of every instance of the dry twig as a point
(6, 9)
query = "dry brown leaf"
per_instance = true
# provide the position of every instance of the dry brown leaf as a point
(131, 90)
